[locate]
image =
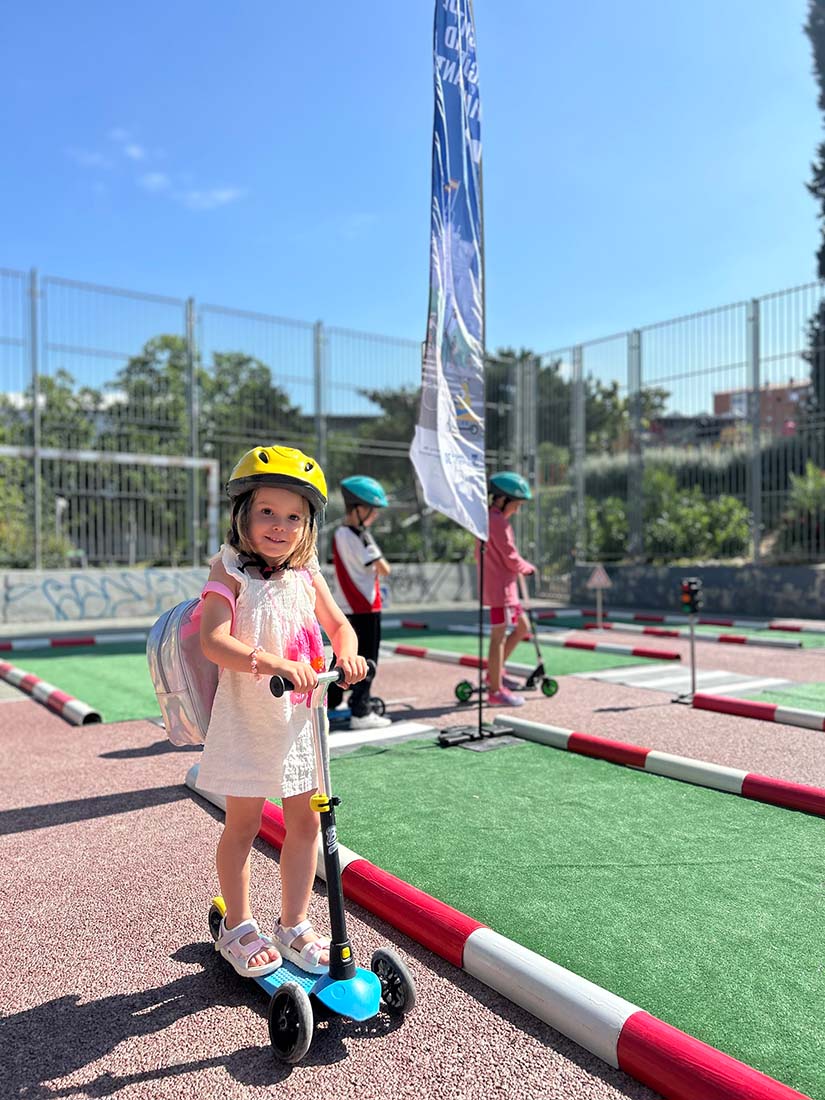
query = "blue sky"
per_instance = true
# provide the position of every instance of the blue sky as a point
(641, 160)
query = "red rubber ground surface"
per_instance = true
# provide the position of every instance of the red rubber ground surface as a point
(110, 987)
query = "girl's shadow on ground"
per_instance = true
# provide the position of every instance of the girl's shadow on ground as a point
(61, 1036)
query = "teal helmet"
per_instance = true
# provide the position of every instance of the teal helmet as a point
(363, 490)
(506, 483)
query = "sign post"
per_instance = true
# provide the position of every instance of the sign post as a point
(598, 581)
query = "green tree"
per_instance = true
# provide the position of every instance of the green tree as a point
(241, 405)
(148, 409)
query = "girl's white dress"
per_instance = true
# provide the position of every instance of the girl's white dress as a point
(256, 745)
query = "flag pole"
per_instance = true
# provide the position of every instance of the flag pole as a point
(483, 548)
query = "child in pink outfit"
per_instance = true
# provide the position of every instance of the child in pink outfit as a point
(502, 566)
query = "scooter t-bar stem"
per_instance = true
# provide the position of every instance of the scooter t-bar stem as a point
(341, 963)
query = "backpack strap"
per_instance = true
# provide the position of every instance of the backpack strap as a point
(221, 590)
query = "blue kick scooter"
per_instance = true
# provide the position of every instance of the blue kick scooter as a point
(297, 999)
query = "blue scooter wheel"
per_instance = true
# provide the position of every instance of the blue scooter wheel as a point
(397, 986)
(291, 1023)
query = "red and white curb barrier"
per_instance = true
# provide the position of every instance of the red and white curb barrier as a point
(73, 710)
(69, 640)
(612, 647)
(600, 647)
(562, 613)
(812, 626)
(447, 657)
(752, 708)
(797, 628)
(759, 788)
(615, 1030)
(725, 639)
(682, 620)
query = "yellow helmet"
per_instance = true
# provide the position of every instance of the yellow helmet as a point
(284, 467)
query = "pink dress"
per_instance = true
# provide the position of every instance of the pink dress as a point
(257, 745)
(502, 564)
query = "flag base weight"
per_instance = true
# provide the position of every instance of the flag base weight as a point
(457, 735)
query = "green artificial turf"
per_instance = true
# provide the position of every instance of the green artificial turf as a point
(803, 696)
(557, 661)
(705, 909)
(114, 679)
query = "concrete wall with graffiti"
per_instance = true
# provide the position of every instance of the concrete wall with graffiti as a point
(71, 595)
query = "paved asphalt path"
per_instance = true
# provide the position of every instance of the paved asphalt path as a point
(110, 986)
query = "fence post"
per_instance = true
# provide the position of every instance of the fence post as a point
(635, 469)
(531, 438)
(517, 442)
(319, 372)
(34, 353)
(755, 418)
(193, 504)
(577, 430)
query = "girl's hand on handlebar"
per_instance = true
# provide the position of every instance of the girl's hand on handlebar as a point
(354, 669)
(302, 675)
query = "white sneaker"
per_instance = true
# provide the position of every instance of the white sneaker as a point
(369, 722)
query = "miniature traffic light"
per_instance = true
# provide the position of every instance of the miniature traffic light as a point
(692, 598)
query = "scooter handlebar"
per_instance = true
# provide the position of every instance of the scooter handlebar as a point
(279, 685)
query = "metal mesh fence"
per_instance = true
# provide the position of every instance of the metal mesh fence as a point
(700, 438)
(791, 415)
(256, 383)
(15, 358)
(112, 368)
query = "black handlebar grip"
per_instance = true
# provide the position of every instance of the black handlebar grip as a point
(278, 685)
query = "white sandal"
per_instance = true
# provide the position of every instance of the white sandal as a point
(238, 954)
(307, 957)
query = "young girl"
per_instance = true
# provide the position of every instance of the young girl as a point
(262, 605)
(502, 565)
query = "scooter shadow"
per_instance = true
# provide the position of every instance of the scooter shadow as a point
(61, 1036)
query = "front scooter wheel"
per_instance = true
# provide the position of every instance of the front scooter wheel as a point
(397, 986)
(215, 918)
(291, 1023)
(549, 687)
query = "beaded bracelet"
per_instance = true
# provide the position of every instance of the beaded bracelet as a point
(253, 658)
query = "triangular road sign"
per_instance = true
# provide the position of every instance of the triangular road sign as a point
(599, 578)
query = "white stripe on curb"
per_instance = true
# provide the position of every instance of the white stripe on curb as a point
(554, 736)
(700, 772)
(584, 1012)
(793, 716)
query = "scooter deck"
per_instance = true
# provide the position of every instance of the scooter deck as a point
(288, 972)
(358, 997)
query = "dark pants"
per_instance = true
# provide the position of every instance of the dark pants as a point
(368, 628)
